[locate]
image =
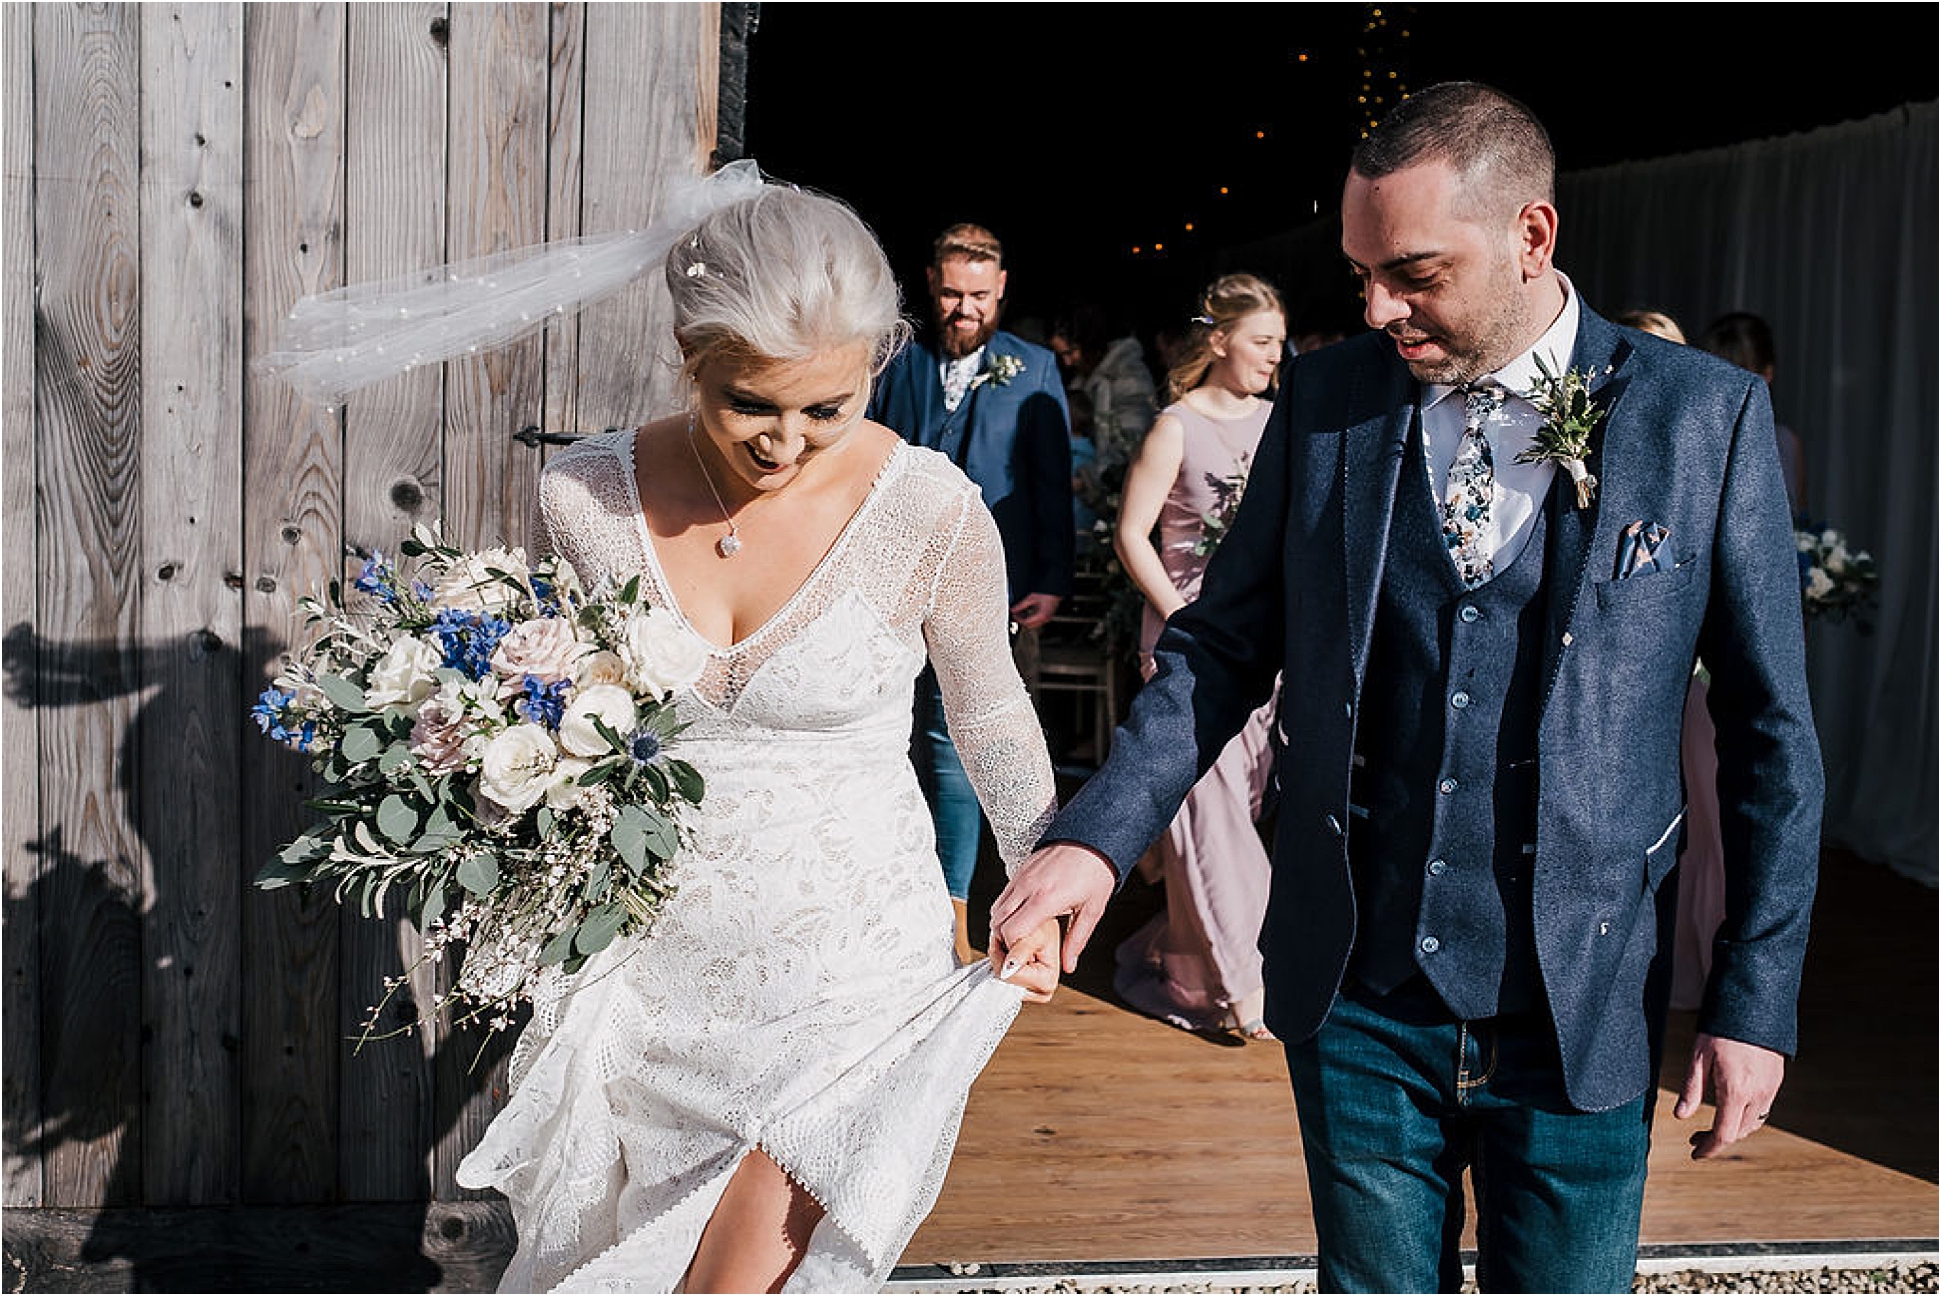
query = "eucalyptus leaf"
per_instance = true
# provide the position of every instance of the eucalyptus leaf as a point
(280, 873)
(397, 819)
(557, 949)
(599, 929)
(640, 834)
(360, 744)
(434, 906)
(343, 694)
(397, 754)
(479, 873)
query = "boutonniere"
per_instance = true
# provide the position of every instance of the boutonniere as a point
(1001, 370)
(1569, 419)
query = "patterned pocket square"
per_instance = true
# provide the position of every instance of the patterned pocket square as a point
(1638, 548)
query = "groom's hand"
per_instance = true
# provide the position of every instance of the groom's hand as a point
(1062, 880)
(1743, 1080)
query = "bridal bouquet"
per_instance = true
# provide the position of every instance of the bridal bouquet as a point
(497, 745)
(1836, 582)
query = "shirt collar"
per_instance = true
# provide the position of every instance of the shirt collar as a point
(1521, 374)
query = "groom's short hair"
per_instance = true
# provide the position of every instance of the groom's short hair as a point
(1495, 145)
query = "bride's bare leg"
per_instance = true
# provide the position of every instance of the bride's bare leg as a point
(758, 1233)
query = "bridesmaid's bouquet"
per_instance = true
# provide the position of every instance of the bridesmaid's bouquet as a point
(1837, 582)
(498, 748)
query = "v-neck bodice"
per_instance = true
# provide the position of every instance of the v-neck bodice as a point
(663, 587)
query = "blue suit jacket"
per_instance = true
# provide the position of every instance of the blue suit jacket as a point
(1013, 439)
(1687, 443)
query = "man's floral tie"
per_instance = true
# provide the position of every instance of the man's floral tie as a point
(1471, 492)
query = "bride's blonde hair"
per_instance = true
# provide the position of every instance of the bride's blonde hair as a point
(784, 275)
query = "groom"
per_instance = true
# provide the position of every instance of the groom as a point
(1467, 940)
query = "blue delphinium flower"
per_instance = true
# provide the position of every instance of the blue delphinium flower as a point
(645, 747)
(543, 703)
(468, 639)
(273, 717)
(543, 591)
(379, 578)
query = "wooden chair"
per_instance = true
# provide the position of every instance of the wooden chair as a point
(1073, 660)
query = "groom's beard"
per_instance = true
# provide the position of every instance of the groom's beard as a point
(957, 344)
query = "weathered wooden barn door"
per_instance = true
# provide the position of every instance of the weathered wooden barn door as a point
(176, 176)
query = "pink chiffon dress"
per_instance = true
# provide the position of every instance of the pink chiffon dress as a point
(1200, 954)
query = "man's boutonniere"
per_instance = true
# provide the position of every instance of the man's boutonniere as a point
(1001, 370)
(1569, 419)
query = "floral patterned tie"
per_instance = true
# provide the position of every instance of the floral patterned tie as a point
(957, 379)
(1471, 491)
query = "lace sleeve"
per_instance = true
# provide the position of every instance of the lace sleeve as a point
(539, 537)
(991, 719)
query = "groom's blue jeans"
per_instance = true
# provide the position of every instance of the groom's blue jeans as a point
(954, 809)
(1396, 1098)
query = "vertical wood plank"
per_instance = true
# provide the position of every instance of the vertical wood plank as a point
(496, 202)
(628, 365)
(294, 65)
(19, 746)
(87, 385)
(394, 222)
(565, 91)
(190, 731)
(499, 54)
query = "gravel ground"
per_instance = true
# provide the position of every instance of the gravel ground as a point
(1907, 1276)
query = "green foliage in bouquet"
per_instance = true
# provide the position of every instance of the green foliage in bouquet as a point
(498, 748)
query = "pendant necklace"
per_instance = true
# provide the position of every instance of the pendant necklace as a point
(729, 545)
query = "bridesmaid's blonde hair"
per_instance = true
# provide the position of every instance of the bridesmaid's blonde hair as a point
(1227, 301)
(784, 275)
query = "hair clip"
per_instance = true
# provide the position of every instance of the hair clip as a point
(1203, 319)
(697, 269)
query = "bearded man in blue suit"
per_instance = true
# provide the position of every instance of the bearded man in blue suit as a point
(1487, 604)
(995, 405)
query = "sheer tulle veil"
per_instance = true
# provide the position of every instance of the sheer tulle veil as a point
(335, 343)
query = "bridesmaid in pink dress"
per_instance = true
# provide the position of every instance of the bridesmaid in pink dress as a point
(1196, 964)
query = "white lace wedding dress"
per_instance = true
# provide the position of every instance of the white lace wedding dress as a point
(801, 993)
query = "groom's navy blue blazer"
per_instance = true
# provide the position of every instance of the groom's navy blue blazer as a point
(1688, 444)
(1012, 438)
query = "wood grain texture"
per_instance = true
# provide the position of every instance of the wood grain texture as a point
(394, 222)
(88, 388)
(294, 65)
(190, 731)
(566, 85)
(497, 195)
(628, 365)
(19, 728)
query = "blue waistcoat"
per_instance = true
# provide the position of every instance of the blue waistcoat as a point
(1443, 816)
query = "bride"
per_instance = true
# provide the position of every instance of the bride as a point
(763, 1091)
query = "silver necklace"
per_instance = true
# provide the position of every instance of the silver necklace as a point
(729, 545)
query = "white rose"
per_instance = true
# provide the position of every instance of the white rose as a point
(517, 766)
(600, 667)
(403, 676)
(564, 792)
(1818, 584)
(605, 702)
(469, 585)
(659, 653)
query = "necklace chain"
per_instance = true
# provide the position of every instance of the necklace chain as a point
(729, 545)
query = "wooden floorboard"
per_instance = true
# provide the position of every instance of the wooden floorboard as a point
(1096, 1134)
